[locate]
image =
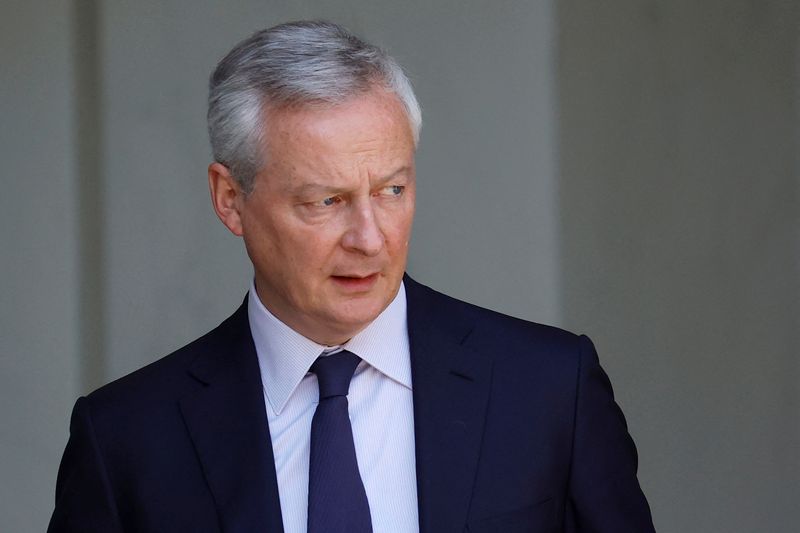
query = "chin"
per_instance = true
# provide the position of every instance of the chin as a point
(358, 315)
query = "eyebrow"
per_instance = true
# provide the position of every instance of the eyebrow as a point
(319, 188)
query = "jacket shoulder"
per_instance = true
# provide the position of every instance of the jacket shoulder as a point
(169, 376)
(482, 325)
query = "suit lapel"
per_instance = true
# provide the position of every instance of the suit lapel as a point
(451, 388)
(227, 421)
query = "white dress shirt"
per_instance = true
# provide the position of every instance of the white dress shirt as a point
(381, 412)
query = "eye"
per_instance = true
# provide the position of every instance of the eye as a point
(393, 190)
(327, 202)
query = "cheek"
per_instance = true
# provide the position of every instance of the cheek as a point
(312, 250)
(260, 242)
(401, 221)
(398, 237)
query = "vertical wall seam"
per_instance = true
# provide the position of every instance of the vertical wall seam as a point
(554, 120)
(91, 188)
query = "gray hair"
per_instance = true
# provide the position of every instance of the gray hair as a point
(296, 63)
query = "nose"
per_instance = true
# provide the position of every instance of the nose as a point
(363, 234)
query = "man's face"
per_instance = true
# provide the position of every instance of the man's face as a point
(328, 221)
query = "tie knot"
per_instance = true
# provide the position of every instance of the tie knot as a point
(334, 373)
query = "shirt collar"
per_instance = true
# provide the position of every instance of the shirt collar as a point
(284, 355)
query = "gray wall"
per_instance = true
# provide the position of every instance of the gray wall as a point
(680, 215)
(625, 170)
(39, 330)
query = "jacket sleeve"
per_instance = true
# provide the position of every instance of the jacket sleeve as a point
(604, 492)
(84, 501)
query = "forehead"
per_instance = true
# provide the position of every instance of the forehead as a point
(375, 122)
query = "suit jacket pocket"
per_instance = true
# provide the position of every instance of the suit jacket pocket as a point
(536, 518)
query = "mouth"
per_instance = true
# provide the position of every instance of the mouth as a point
(356, 283)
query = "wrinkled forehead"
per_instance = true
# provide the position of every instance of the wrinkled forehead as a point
(365, 137)
(375, 117)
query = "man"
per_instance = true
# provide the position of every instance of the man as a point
(343, 395)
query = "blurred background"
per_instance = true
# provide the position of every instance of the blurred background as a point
(626, 169)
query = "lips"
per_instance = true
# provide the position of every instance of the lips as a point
(356, 282)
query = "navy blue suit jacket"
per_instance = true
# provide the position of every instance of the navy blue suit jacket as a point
(516, 430)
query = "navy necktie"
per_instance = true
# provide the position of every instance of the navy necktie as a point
(337, 501)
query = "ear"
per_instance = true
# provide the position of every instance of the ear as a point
(226, 197)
